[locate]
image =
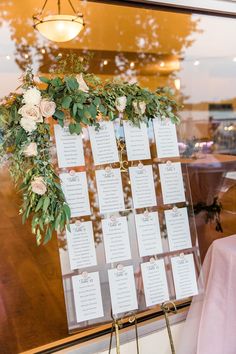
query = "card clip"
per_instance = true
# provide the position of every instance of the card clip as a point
(146, 213)
(182, 255)
(152, 260)
(113, 218)
(169, 163)
(140, 165)
(175, 209)
(84, 275)
(120, 267)
(78, 223)
(108, 168)
(72, 172)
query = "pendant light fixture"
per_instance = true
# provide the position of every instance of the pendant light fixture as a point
(59, 27)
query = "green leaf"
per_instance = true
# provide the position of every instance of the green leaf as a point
(59, 114)
(78, 128)
(66, 102)
(67, 211)
(48, 235)
(40, 204)
(72, 127)
(74, 109)
(111, 115)
(21, 136)
(71, 83)
(44, 79)
(46, 203)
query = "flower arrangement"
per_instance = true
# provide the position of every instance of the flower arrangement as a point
(83, 100)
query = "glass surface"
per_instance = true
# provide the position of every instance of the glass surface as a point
(193, 54)
(96, 218)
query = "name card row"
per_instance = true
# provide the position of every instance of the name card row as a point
(104, 147)
(123, 294)
(110, 189)
(80, 238)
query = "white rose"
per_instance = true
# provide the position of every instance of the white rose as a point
(38, 186)
(31, 150)
(82, 84)
(30, 111)
(139, 107)
(47, 108)
(28, 124)
(120, 103)
(32, 96)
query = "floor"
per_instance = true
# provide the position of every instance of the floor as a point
(32, 311)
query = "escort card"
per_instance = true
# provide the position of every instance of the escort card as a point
(81, 248)
(142, 186)
(166, 138)
(75, 188)
(70, 151)
(122, 289)
(116, 239)
(184, 276)
(155, 282)
(148, 234)
(178, 230)
(87, 295)
(103, 143)
(172, 184)
(110, 191)
(137, 141)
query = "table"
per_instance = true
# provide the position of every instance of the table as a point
(211, 323)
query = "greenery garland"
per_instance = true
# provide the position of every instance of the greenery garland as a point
(83, 100)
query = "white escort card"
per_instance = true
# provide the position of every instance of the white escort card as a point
(87, 295)
(148, 234)
(122, 289)
(178, 230)
(103, 143)
(75, 188)
(137, 141)
(81, 248)
(184, 276)
(142, 186)
(154, 282)
(70, 151)
(116, 239)
(110, 191)
(166, 138)
(172, 184)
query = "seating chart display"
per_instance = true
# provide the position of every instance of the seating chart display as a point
(132, 242)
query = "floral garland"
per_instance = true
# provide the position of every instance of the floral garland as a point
(81, 99)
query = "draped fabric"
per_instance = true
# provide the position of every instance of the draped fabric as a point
(210, 327)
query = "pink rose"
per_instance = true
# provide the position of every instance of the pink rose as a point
(47, 108)
(31, 150)
(38, 186)
(30, 111)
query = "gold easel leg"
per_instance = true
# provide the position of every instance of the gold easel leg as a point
(167, 309)
(117, 337)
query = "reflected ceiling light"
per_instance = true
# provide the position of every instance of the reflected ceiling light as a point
(132, 64)
(8, 57)
(43, 51)
(196, 63)
(162, 64)
(26, 56)
(177, 84)
(234, 59)
(105, 62)
(59, 55)
(59, 27)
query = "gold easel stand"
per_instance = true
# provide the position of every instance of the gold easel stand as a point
(116, 325)
(169, 307)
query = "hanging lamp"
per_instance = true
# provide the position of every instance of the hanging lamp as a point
(59, 27)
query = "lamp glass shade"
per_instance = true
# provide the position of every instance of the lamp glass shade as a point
(60, 28)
